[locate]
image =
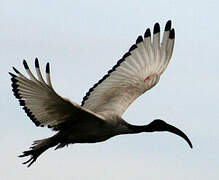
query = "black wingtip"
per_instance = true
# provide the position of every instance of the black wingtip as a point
(132, 47)
(36, 63)
(47, 68)
(168, 25)
(139, 39)
(126, 55)
(147, 33)
(25, 64)
(15, 70)
(12, 75)
(172, 34)
(22, 102)
(156, 28)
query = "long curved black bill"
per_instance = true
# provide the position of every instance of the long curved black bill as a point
(178, 132)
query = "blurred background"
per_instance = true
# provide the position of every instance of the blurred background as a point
(82, 40)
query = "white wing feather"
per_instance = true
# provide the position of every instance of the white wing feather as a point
(43, 105)
(138, 71)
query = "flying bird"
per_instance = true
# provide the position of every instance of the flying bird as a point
(99, 117)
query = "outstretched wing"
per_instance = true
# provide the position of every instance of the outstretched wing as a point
(43, 105)
(138, 71)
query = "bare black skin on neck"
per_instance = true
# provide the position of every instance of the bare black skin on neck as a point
(159, 125)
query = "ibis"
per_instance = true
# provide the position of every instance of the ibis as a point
(99, 117)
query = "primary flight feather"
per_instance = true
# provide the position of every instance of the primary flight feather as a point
(99, 116)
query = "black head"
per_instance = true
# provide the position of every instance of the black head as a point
(160, 125)
(157, 125)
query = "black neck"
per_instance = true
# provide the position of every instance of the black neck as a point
(139, 129)
(158, 125)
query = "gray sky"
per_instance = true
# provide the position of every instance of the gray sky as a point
(82, 40)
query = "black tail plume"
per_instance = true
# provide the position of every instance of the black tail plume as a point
(38, 148)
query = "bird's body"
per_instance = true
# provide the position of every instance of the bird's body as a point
(100, 115)
(92, 132)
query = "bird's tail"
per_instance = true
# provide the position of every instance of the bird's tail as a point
(39, 146)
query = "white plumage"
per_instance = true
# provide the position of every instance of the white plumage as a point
(99, 116)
